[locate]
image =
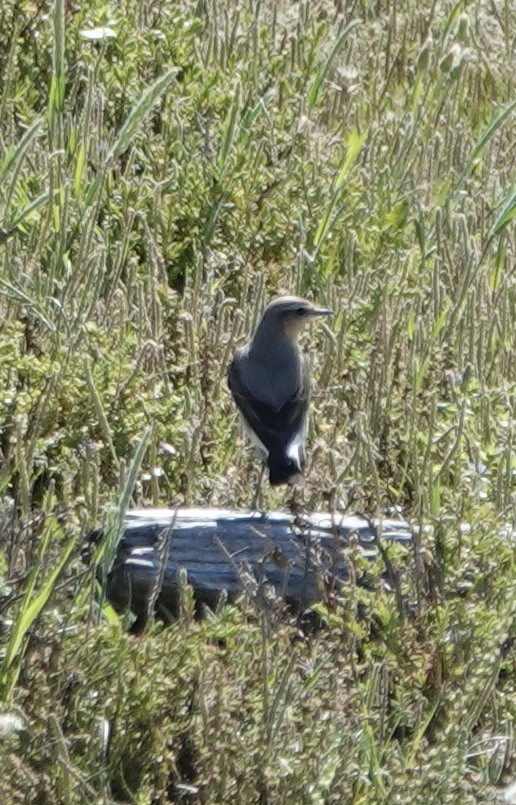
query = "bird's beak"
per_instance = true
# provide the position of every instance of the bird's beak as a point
(320, 311)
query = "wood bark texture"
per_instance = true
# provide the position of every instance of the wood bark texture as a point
(296, 558)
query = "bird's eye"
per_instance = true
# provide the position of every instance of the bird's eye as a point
(301, 311)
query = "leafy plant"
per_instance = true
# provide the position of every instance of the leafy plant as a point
(165, 168)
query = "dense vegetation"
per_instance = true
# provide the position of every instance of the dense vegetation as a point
(165, 168)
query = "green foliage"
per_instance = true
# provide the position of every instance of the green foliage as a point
(164, 169)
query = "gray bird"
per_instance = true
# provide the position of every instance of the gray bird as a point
(270, 381)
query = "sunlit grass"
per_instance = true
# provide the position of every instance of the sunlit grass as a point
(164, 169)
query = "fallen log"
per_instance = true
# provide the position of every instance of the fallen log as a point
(225, 552)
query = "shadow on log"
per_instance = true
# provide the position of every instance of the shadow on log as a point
(227, 552)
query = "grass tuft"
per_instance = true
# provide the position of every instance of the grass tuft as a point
(164, 170)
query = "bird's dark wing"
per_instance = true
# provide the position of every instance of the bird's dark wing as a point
(274, 427)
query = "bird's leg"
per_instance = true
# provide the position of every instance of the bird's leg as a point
(256, 498)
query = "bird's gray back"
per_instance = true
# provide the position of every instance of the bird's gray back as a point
(275, 375)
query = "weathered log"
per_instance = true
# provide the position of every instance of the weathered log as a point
(224, 550)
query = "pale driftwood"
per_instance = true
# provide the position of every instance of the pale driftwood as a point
(224, 550)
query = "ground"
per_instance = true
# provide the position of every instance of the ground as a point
(165, 169)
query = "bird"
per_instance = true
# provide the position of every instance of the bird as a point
(270, 381)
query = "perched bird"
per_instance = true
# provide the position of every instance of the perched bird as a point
(270, 381)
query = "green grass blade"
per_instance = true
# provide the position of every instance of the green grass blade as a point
(80, 163)
(354, 146)
(115, 520)
(505, 216)
(35, 607)
(13, 293)
(30, 608)
(99, 410)
(324, 69)
(16, 153)
(140, 110)
(230, 128)
(57, 87)
(491, 130)
(324, 224)
(30, 208)
(452, 19)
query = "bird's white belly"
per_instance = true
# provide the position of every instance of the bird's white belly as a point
(295, 450)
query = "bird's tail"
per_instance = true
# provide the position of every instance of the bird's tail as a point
(283, 469)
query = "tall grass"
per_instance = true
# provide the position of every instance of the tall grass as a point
(165, 169)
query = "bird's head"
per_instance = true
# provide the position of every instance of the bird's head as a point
(289, 313)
